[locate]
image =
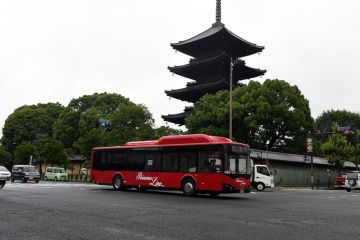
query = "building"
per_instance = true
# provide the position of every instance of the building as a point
(294, 170)
(215, 53)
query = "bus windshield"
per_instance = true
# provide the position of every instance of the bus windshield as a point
(237, 160)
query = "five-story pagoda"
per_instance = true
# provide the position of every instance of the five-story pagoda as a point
(214, 52)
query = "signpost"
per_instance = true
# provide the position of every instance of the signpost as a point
(309, 148)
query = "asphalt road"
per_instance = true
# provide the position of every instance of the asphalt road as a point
(85, 211)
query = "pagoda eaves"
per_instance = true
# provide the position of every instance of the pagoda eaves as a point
(215, 40)
(215, 68)
(195, 91)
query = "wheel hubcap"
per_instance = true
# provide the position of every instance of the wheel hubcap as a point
(117, 182)
(189, 187)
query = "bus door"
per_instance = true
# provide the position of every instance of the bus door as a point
(210, 177)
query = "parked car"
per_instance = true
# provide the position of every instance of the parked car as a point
(4, 176)
(352, 181)
(56, 174)
(4, 173)
(24, 173)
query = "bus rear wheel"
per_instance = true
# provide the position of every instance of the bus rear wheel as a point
(188, 187)
(117, 183)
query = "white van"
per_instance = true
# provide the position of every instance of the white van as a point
(352, 181)
(262, 177)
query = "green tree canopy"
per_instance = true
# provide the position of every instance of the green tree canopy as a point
(342, 118)
(30, 123)
(166, 131)
(24, 151)
(273, 112)
(328, 122)
(356, 158)
(338, 150)
(54, 153)
(5, 157)
(78, 125)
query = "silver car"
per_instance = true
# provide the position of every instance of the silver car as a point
(4, 176)
(4, 173)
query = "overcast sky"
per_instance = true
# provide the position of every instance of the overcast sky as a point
(54, 51)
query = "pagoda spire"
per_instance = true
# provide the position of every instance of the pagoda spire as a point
(218, 11)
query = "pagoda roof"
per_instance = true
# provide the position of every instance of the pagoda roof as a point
(216, 67)
(194, 91)
(178, 118)
(215, 40)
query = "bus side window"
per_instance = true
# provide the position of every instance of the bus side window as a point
(189, 162)
(121, 159)
(97, 160)
(136, 162)
(171, 161)
(109, 160)
(210, 162)
(153, 162)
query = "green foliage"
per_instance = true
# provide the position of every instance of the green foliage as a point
(61, 132)
(30, 123)
(78, 125)
(356, 158)
(274, 113)
(5, 157)
(54, 153)
(24, 151)
(326, 120)
(329, 121)
(166, 131)
(338, 150)
(210, 115)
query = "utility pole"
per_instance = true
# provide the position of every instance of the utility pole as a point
(230, 100)
(309, 148)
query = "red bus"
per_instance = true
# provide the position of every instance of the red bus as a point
(194, 163)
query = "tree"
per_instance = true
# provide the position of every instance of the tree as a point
(343, 118)
(6, 158)
(329, 121)
(24, 151)
(30, 123)
(166, 131)
(273, 113)
(356, 158)
(338, 150)
(78, 125)
(54, 153)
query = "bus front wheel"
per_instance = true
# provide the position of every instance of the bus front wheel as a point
(117, 183)
(188, 187)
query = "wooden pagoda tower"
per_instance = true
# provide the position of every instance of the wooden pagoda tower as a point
(213, 52)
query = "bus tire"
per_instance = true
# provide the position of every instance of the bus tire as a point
(260, 187)
(348, 189)
(117, 183)
(188, 187)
